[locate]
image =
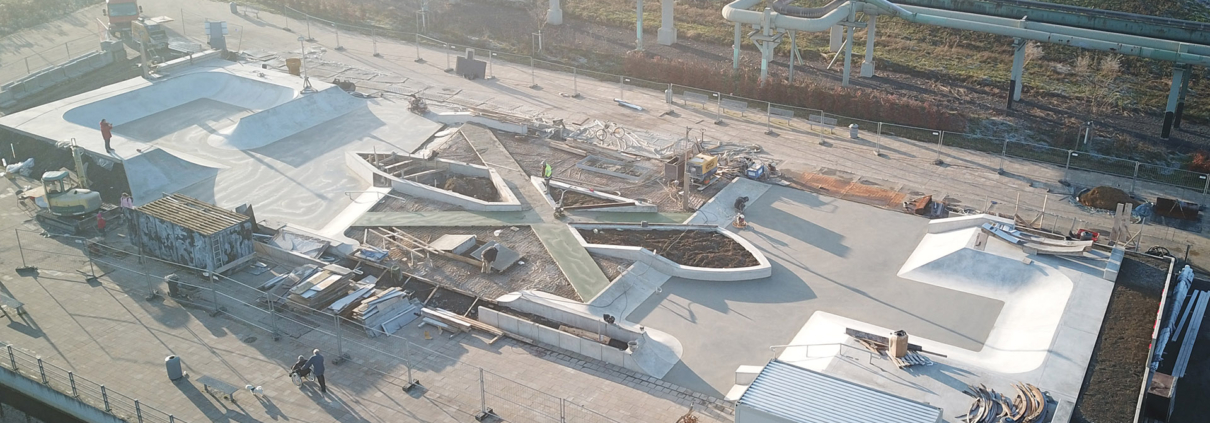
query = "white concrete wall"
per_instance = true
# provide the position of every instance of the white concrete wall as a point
(457, 118)
(962, 222)
(508, 201)
(55, 399)
(622, 331)
(669, 267)
(49, 77)
(558, 339)
(187, 61)
(284, 257)
(639, 207)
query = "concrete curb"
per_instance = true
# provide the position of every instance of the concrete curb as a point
(366, 171)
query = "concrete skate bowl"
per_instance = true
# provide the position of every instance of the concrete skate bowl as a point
(1034, 295)
(174, 104)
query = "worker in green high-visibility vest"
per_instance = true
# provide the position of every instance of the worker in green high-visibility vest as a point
(547, 171)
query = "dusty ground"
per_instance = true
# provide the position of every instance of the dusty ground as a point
(538, 273)
(689, 248)
(1115, 373)
(573, 198)
(613, 267)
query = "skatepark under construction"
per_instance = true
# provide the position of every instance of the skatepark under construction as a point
(982, 302)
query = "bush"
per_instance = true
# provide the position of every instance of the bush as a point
(1200, 162)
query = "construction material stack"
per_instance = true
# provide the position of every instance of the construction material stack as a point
(385, 312)
(322, 288)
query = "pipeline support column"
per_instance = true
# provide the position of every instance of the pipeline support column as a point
(867, 67)
(667, 34)
(638, 28)
(1174, 93)
(1180, 102)
(1014, 83)
(735, 49)
(554, 15)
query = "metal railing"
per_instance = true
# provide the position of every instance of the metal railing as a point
(509, 399)
(33, 367)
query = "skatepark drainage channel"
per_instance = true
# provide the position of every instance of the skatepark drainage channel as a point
(698, 248)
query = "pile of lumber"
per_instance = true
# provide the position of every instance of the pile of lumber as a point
(881, 344)
(447, 320)
(1029, 406)
(385, 312)
(279, 287)
(322, 288)
(361, 290)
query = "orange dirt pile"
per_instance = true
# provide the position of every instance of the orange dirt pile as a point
(1106, 198)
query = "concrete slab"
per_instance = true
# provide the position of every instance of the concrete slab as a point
(456, 244)
(504, 258)
(583, 273)
(827, 255)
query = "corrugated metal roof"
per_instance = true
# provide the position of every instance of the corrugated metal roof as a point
(192, 214)
(804, 396)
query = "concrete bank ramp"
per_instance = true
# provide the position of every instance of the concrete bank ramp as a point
(297, 115)
(157, 171)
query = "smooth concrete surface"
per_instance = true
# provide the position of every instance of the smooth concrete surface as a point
(301, 178)
(579, 267)
(448, 218)
(720, 210)
(827, 255)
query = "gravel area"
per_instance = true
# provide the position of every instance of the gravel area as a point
(1115, 373)
(538, 273)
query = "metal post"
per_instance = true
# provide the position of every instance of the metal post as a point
(562, 410)
(273, 318)
(533, 81)
(71, 378)
(309, 28)
(17, 234)
(339, 339)
(11, 358)
(1207, 187)
(91, 269)
(214, 292)
(27, 71)
(686, 184)
(1003, 154)
(1017, 205)
(68, 48)
(621, 88)
(183, 34)
(138, 411)
(419, 60)
(336, 27)
(171, 419)
(374, 40)
(105, 398)
(407, 354)
(482, 393)
(940, 141)
(718, 111)
(42, 372)
(447, 57)
(490, 55)
(1135, 178)
(769, 115)
(793, 52)
(1067, 167)
(285, 16)
(575, 88)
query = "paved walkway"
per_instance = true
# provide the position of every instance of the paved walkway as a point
(448, 218)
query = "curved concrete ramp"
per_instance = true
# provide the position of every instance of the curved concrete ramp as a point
(283, 120)
(245, 93)
(158, 171)
(1034, 294)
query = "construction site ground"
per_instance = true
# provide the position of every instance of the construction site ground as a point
(1115, 373)
(695, 248)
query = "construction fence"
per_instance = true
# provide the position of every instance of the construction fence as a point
(469, 388)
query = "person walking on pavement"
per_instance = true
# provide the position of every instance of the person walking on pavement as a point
(100, 224)
(316, 365)
(106, 133)
(489, 257)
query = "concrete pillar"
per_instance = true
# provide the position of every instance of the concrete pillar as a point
(554, 15)
(848, 57)
(793, 54)
(834, 38)
(1014, 83)
(1174, 93)
(638, 28)
(667, 34)
(1180, 102)
(867, 67)
(735, 49)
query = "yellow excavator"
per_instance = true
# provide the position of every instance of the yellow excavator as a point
(65, 205)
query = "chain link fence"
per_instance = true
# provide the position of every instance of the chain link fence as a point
(465, 386)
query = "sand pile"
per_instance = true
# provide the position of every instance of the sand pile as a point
(1106, 198)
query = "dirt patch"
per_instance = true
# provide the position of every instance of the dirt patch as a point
(1115, 373)
(612, 267)
(574, 198)
(473, 186)
(1106, 198)
(689, 247)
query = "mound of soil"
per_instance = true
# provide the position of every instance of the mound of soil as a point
(574, 198)
(1106, 198)
(689, 248)
(478, 187)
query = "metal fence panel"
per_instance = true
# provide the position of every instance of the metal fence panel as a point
(1037, 153)
(515, 402)
(1175, 177)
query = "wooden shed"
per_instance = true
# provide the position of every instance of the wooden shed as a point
(192, 233)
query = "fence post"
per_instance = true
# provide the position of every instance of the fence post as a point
(769, 115)
(621, 88)
(418, 59)
(1136, 177)
(482, 394)
(339, 340)
(17, 234)
(287, 18)
(575, 88)
(68, 48)
(42, 372)
(105, 399)
(183, 34)
(336, 27)
(71, 378)
(11, 358)
(1003, 154)
(447, 57)
(407, 352)
(273, 318)
(1067, 167)
(308, 27)
(374, 40)
(214, 294)
(171, 419)
(138, 411)
(533, 82)
(490, 56)
(563, 407)
(27, 71)
(91, 268)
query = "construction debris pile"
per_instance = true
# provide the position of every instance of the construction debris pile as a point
(1105, 198)
(386, 311)
(896, 348)
(322, 288)
(1029, 406)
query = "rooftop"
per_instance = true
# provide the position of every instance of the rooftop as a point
(805, 396)
(191, 214)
